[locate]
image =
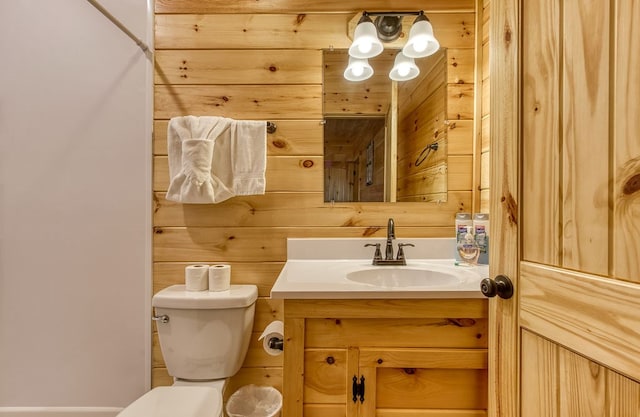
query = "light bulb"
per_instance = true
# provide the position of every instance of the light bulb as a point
(420, 45)
(403, 70)
(357, 70)
(365, 47)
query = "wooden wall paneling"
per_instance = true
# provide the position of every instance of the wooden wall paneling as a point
(261, 274)
(240, 66)
(306, 6)
(460, 104)
(303, 209)
(486, 139)
(292, 137)
(585, 128)
(485, 203)
(460, 66)
(425, 181)
(459, 137)
(539, 395)
(626, 153)
(258, 244)
(368, 97)
(282, 31)
(251, 31)
(459, 172)
(432, 76)
(260, 102)
(284, 173)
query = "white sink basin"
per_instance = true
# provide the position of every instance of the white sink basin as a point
(402, 277)
(341, 268)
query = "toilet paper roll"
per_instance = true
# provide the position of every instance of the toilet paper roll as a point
(275, 329)
(219, 277)
(196, 277)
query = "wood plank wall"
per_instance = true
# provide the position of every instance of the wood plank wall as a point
(263, 60)
(422, 120)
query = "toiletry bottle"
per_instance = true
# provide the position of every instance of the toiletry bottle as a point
(468, 250)
(481, 233)
(464, 226)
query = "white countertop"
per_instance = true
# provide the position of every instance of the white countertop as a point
(318, 268)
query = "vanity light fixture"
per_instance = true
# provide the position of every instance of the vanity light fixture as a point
(368, 38)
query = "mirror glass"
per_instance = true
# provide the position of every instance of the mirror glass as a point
(385, 140)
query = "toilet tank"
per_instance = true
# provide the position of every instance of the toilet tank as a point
(208, 332)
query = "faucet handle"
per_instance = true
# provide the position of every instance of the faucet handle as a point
(377, 255)
(400, 255)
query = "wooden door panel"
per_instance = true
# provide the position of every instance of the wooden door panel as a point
(572, 139)
(598, 317)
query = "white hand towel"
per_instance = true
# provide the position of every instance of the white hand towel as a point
(211, 159)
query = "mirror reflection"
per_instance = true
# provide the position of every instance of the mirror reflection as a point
(385, 141)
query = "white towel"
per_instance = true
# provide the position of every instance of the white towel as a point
(212, 159)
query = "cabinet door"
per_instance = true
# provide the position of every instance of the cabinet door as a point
(405, 381)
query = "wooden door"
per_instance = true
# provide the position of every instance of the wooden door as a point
(565, 105)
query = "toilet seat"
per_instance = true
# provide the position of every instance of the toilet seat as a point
(183, 401)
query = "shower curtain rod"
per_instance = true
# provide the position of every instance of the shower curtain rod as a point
(115, 21)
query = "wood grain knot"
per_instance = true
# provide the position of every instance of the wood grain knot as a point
(632, 185)
(409, 371)
(511, 207)
(507, 34)
(300, 19)
(379, 361)
(330, 360)
(307, 163)
(279, 144)
(273, 68)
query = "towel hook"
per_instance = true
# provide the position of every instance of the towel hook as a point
(425, 152)
(271, 127)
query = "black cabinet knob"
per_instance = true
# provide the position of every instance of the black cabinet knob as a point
(501, 286)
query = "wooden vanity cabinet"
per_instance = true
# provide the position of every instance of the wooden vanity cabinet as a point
(417, 358)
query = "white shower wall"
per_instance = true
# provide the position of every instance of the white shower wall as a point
(75, 207)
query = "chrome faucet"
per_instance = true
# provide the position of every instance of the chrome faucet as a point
(388, 255)
(391, 235)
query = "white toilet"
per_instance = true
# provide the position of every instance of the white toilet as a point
(204, 336)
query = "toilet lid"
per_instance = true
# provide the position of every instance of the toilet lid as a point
(183, 401)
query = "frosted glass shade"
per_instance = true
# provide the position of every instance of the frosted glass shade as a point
(365, 42)
(421, 41)
(358, 70)
(404, 68)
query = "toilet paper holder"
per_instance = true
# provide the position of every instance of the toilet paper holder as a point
(276, 343)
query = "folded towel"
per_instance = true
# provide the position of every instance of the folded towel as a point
(212, 159)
